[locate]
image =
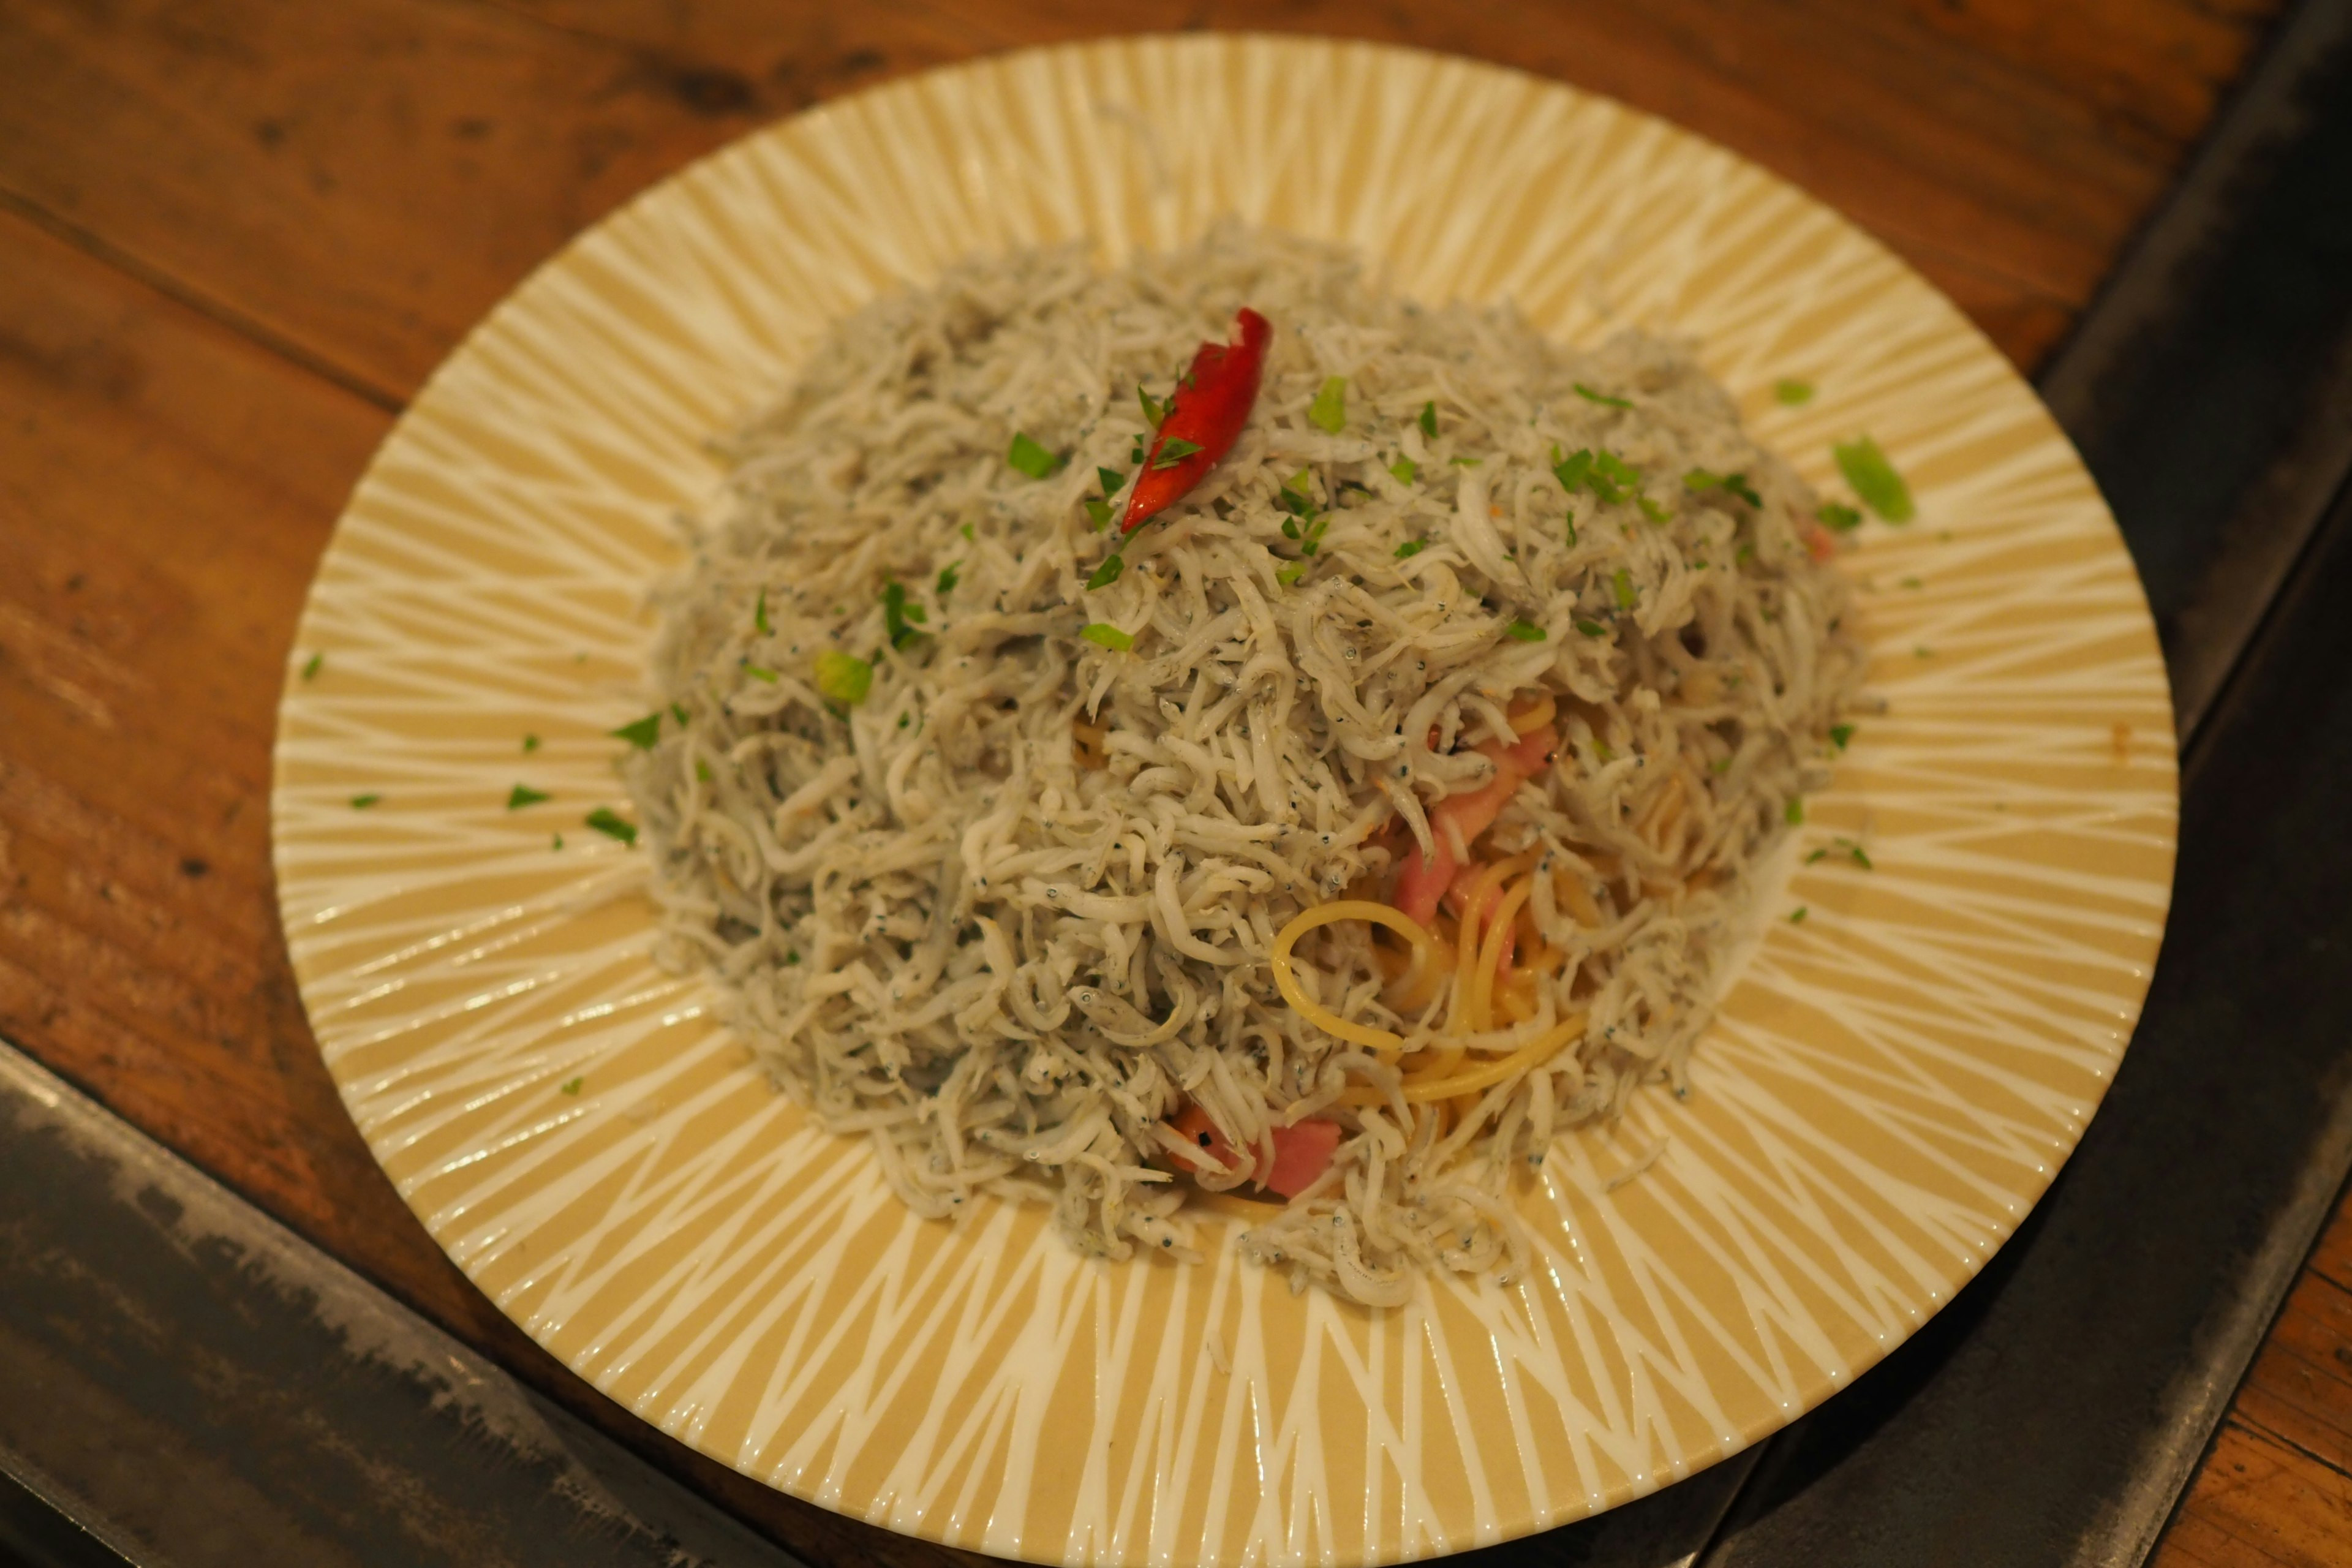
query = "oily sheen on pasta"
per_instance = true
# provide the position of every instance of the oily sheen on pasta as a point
(1388, 807)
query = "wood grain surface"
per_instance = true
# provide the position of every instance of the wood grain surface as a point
(235, 236)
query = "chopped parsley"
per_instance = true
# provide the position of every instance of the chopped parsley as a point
(1107, 573)
(900, 619)
(1405, 470)
(1794, 393)
(1172, 451)
(1154, 410)
(1102, 634)
(1602, 398)
(569, 1085)
(362, 802)
(1524, 631)
(1874, 478)
(1839, 734)
(642, 735)
(1839, 519)
(947, 579)
(760, 672)
(1410, 548)
(310, 668)
(612, 826)
(530, 742)
(1429, 419)
(760, 614)
(1591, 628)
(842, 678)
(1030, 458)
(1330, 409)
(1621, 588)
(1793, 813)
(522, 795)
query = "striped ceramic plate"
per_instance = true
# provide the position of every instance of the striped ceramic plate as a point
(1891, 1084)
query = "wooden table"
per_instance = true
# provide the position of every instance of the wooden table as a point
(235, 236)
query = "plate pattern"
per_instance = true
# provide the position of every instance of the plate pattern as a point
(1889, 1087)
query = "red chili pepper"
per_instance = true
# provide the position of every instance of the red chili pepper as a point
(1211, 406)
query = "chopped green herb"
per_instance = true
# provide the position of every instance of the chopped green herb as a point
(1817, 855)
(902, 721)
(1102, 634)
(1570, 470)
(760, 672)
(1793, 813)
(677, 711)
(1792, 392)
(1172, 451)
(1620, 587)
(1652, 510)
(702, 770)
(1099, 513)
(1110, 478)
(1838, 518)
(362, 802)
(1612, 478)
(948, 580)
(1911, 582)
(1154, 411)
(842, 678)
(760, 614)
(1030, 458)
(612, 826)
(1720, 765)
(523, 795)
(571, 1085)
(1853, 851)
(1288, 576)
(1429, 419)
(966, 532)
(1524, 631)
(530, 742)
(1591, 628)
(1602, 398)
(1874, 478)
(1107, 573)
(1743, 555)
(1839, 734)
(1924, 651)
(310, 668)
(1330, 409)
(643, 734)
(1571, 530)
(1600, 749)
(1796, 916)
(1411, 548)
(792, 955)
(557, 844)
(1465, 462)
(1405, 470)
(900, 619)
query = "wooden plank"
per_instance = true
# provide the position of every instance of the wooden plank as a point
(364, 180)
(165, 487)
(2260, 1502)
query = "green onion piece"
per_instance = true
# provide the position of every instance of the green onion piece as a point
(1154, 411)
(1465, 462)
(1288, 576)
(1405, 470)
(1793, 813)
(1572, 529)
(1796, 918)
(1620, 587)
(1737, 485)
(310, 668)
(1524, 631)
(530, 742)
(1099, 513)
(523, 795)
(1817, 855)
(1330, 409)
(966, 532)
(1030, 458)
(760, 614)
(1701, 479)
(1429, 419)
(1110, 478)
(569, 1085)
(1860, 859)
(612, 826)
(760, 672)
(362, 802)
(557, 844)
(900, 618)
(1839, 518)
(1612, 478)
(1591, 628)
(842, 678)
(641, 734)
(1652, 510)
(1107, 573)
(1174, 450)
(947, 579)
(1839, 734)
(702, 770)
(1102, 634)
(1572, 470)
(792, 955)
(1874, 478)
(1411, 548)
(1792, 392)
(1602, 398)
